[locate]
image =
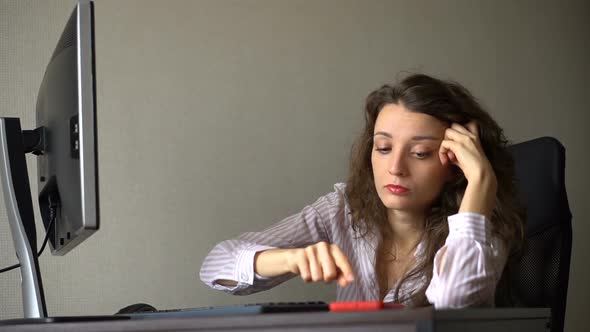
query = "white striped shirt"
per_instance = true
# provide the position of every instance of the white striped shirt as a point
(472, 267)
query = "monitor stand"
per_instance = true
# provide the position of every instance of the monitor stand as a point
(14, 144)
(19, 207)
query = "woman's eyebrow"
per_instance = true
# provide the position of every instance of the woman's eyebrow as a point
(425, 138)
(415, 138)
(383, 133)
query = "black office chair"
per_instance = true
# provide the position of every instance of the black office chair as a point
(540, 277)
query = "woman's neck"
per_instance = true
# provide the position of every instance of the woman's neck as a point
(406, 228)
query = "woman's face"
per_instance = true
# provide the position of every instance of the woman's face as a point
(405, 154)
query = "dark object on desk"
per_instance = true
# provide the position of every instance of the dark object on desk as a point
(225, 310)
(540, 277)
(137, 308)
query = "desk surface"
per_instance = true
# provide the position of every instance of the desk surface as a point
(416, 320)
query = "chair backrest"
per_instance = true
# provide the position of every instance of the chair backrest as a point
(540, 277)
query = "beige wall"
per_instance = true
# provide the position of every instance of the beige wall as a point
(218, 117)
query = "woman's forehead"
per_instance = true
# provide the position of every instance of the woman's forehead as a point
(399, 122)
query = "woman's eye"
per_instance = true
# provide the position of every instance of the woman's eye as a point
(422, 155)
(383, 150)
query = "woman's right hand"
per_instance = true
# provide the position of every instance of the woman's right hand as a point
(320, 262)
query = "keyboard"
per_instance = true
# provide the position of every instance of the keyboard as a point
(234, 309)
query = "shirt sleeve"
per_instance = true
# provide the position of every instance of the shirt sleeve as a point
(468, 266)
(234, 259)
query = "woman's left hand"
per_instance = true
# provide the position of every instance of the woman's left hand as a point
(461, 147)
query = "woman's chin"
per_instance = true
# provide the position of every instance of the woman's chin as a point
(399, 205)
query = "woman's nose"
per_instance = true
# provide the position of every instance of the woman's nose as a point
(398, 166)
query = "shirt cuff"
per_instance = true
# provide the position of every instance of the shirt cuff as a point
(470, 225)
(244, 271)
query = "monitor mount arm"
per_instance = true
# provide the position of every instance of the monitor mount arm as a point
(34, 141)
(14, 144)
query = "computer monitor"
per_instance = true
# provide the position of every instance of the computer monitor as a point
(66, 108)
(65, 142)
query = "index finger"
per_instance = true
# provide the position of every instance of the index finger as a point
(342, 262)
(473, 128)
(462, 129)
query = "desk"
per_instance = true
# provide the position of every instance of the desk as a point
(415, 320)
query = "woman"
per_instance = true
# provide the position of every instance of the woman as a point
(428, 214)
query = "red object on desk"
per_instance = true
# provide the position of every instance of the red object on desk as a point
(363, 306)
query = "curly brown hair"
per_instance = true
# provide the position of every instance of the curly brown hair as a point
(450, 102)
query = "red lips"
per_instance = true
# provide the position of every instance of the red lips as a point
(396, 189)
